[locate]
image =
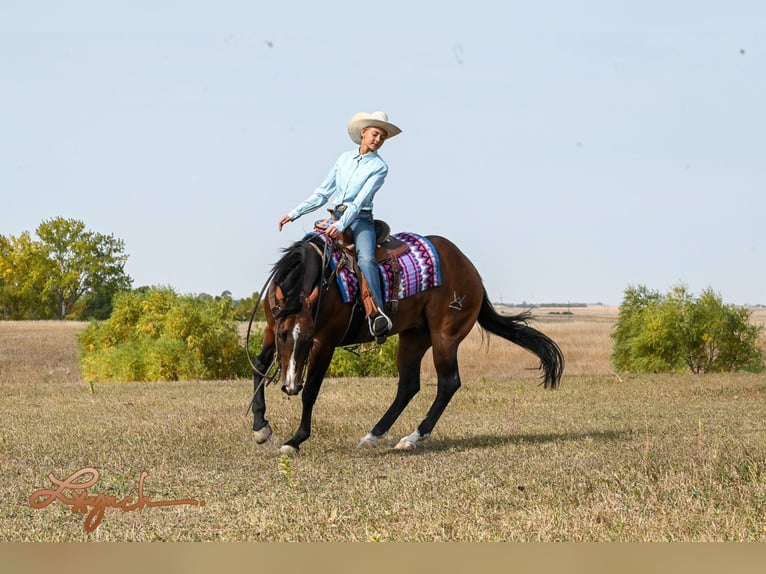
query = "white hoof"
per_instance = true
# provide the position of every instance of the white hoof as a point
(405, 444)
(262, 435)
(288, 450)
(368, 441)
(410, 442)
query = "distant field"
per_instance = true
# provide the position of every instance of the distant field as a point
(605, 458)
(608, 311)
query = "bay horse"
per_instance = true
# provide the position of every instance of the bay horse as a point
(307, 319)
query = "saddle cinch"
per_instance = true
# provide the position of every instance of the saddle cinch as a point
(387, 248)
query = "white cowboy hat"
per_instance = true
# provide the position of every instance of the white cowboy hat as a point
(364, 120)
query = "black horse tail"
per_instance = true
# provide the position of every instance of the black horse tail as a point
(516, 329)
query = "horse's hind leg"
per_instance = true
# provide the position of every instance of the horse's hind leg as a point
(412, 346)
(448, 382)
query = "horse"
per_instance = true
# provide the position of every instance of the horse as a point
(307, 319)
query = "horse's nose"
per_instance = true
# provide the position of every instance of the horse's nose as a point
(291, 389)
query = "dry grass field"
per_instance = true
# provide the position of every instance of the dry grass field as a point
(605, 458)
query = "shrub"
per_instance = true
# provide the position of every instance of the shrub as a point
(155, 334)
(368, 360)
(678, 332)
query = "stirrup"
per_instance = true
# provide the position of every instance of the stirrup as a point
(379, 327)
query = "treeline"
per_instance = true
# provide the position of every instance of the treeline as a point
(152, 333)
(65, 271)
(525, 305)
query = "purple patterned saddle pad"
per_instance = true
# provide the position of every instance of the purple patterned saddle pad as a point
(419, 270)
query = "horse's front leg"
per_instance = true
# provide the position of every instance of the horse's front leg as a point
(261, 427)
(317, 369)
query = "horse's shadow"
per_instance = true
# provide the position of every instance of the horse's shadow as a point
(495, 440)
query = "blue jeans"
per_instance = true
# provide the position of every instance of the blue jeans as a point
(364, 239)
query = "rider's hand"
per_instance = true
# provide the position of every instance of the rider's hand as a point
(283, 221)
(332, 232)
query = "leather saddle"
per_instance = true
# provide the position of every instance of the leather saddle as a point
(387, 246)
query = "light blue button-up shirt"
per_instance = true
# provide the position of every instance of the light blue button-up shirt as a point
(354, 179)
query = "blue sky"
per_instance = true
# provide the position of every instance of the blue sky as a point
(570, 149)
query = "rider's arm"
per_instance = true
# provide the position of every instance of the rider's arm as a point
(319, 197)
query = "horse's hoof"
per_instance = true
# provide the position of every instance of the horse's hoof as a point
(410, 441)
(405, 444)
(369, 441)
(288, 450)
(263, 434)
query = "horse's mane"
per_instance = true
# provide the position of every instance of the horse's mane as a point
(288, 274)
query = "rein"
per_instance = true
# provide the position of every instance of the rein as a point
(264, 376)
(322, 285)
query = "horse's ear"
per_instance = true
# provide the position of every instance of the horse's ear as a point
(280, 296)
(311, 299)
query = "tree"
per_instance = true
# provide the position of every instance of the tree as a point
(720, 338)
(679, 332)
(23, 273)
(68, 265)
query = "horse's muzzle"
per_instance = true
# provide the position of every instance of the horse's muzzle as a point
(293, 389)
